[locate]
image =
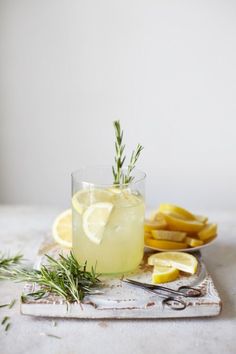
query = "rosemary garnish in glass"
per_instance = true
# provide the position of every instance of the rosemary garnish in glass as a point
(119, 176)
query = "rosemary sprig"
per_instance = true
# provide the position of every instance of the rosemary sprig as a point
(119, 158)
(119, 176)
(63, 276)
(8, 261)
(134, 157)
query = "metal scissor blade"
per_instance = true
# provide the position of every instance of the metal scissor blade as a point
(172, 302)
(140, 284)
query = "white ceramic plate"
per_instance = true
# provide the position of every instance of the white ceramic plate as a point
(191, 249)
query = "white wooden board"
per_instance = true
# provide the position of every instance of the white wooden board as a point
(121, 300)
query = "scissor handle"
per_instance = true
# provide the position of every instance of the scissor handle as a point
(188, 291)
(174, 304)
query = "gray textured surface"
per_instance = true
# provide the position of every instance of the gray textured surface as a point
(23, 228)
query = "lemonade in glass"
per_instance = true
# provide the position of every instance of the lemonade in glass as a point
(108, 220)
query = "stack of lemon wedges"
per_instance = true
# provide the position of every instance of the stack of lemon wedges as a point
(167, 265)
(172, 227)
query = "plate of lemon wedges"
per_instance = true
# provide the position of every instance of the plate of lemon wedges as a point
(172, 227)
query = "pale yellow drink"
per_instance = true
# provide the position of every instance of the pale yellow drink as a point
(118, 246)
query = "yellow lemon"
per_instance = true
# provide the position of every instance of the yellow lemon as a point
(193, 242)
(168, 235)
(162, 274)
(62, 229)
(209, 231)
(175, 209)
(180, 260)
(176, 223)
(165, 245)
(95, 218)
(150, 225)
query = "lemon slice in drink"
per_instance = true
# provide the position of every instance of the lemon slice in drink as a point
(85, 197)
(162, 274)
(180, 260)
(62, 229)
(95, 218)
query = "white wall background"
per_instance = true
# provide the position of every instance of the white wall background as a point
(166, 69)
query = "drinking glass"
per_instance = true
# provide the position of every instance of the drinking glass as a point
(108, 220)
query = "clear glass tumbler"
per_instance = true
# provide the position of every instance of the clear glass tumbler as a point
(108, 220)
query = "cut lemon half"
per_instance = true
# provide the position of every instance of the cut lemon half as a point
(62, 229)
(162, 274)
(180, 260)
(95, 218)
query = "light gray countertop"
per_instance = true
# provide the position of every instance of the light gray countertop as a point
(23, 229)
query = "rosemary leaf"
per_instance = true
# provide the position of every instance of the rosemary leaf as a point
(12, 303)
(7, 327)
(4, 305)
(5, 319)
(49, 335)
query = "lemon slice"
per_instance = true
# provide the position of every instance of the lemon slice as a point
(193, 242)
(95, 219)
(201, 218)
(207, 232)
(162, 274)
(62, 229)
(176, 223)
(156, 224)
(180, 260)
(164, 244)
(168, 235)
(170, 208)
(85, 197)
(158, 217)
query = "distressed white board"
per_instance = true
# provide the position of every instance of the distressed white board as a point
(123, 301)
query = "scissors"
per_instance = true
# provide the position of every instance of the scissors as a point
(169, 295)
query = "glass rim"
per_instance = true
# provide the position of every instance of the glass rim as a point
(134, 181)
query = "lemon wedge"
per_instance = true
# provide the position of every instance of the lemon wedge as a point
(162, 274)
(201, 218)
(208, 232)
(170, 208)
(164, 244)
(180, 260)
(193, 242)
(62, 229)
(178, 224)
(150, 225)
(168, 235)
(95, 218)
